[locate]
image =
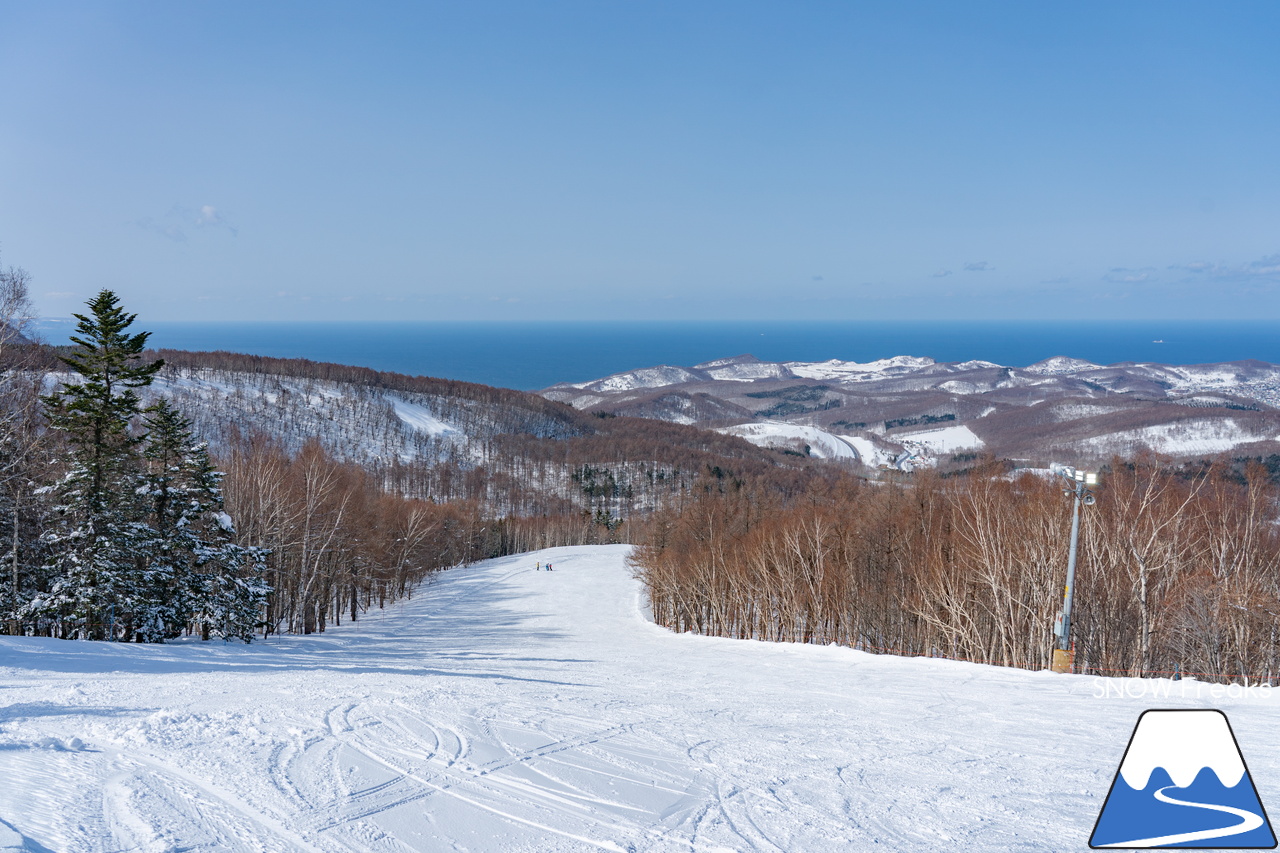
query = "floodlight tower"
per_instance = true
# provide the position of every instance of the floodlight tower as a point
(1080, 492)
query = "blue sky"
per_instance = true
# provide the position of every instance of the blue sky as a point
(644, 160)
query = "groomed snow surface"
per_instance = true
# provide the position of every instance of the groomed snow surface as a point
(821, 443)
(942, 440)
(504, 709)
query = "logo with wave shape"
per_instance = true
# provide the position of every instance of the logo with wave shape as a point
(1183, 783)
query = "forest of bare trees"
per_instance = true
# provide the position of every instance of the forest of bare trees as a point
(341, 509)
(515, 455)
(340, 544)
(305, 532)
(1179, 569)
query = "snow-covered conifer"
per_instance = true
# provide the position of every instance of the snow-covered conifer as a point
(99, 539)
(196, 573)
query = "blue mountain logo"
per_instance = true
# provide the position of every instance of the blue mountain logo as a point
(1183, 783)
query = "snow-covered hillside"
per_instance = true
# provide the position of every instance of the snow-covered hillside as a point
(821, 444)
(649, 377)
(924, 445)
(941, 440)
(1182, 438)
(505, 709)
(360, 423)
(852, 371)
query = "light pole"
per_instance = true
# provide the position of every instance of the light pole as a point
(1079, 490)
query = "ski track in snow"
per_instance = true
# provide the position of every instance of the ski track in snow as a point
(503, 709)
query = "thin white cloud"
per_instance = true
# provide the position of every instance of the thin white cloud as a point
(1263, 267)
(211, 217)
(942, 273)
(978, 266)
(1267, 267)
(175, 224)
(1124, 275)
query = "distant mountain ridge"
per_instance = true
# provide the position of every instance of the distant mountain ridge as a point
(923, 408)
(1254, 379)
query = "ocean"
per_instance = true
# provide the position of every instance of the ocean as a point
(529, 356)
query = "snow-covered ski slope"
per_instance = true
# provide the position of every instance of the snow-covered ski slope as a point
(504, 709)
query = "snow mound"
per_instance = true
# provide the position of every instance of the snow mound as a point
(70, 745)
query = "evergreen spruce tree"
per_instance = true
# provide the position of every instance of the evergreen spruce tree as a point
(196, 573)
(168, 589)
(101, 543)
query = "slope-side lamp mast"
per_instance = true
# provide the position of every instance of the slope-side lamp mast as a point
(1080, 483)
